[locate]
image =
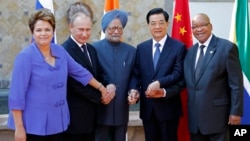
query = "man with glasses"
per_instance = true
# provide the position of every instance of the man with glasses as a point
(214, 82)
(117, 61)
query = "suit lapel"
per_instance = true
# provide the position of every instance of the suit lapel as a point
(211, 50)
(93, 66)
(193, 58)
(164, 54)
(77, 54)
(149, 56)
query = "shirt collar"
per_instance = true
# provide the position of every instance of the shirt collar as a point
(207, 41)
(76, 41)
(162, 41)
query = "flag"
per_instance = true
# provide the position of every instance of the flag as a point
(49, 5)
(240, 34)
(181, 30)
(110, 5)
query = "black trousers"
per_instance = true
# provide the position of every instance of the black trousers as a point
(156, 130)
(54, 137)
(79, 137)
(210, 137)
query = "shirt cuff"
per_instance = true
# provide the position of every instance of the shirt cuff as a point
(164, 95)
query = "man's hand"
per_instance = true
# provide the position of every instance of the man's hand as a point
(154, 93)
(133, 96)
(154, 90)
(106, 98)
(234, 120)
(154, 85)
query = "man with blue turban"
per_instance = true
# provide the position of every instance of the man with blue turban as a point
(117, 60)
(114, 14)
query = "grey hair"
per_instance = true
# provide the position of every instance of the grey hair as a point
(76, 8)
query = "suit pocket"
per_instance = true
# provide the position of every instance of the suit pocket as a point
(220, 102)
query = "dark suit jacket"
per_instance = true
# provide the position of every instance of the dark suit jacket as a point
(82, 100)
(218, 92)
(168, 72)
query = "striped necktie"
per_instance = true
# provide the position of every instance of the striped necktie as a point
(85, 53)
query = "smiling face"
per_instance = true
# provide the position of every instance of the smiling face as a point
(158, 26)
(43, 33)
(81, 28)
(114, 31)
(201, 27)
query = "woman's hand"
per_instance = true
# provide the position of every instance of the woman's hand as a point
(20, 134)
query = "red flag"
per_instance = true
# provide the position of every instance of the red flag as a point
(110, 5)
(182, 31)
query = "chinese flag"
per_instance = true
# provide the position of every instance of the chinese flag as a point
(182, 31)
(110, 5)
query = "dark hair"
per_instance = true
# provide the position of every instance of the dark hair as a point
(157, 11)
(76, 8)
(43, 14)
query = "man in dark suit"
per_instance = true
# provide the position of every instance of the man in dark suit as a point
(215, 86)
(82, 100)
(159, 82)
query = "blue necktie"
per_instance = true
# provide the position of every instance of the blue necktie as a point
(156, 54)
(199, 62)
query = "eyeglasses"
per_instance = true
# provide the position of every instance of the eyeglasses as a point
(202, 26)
(113, 29)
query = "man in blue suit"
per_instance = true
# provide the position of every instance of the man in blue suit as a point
(159, 82)
(117, 60)
(215, 86)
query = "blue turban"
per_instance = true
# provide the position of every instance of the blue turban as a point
(114, 14)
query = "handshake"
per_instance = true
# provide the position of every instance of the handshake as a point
(109, 95)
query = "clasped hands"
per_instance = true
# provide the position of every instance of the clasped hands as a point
(154, 90)
(133, 96)
(109, 94)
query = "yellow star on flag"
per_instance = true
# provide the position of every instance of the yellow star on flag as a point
(178, 17)
(182, 30)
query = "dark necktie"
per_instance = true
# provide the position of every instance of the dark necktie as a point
(199, 62)
(156, 54)
(85, 52)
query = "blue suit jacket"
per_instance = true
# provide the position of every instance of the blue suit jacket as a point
(218, 91)
(169, 72)
(117, 61)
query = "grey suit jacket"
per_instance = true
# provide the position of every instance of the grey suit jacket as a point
(218, 92)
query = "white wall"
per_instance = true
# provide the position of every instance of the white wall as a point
(220, 14)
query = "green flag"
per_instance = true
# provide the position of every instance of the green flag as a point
(240, 34)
